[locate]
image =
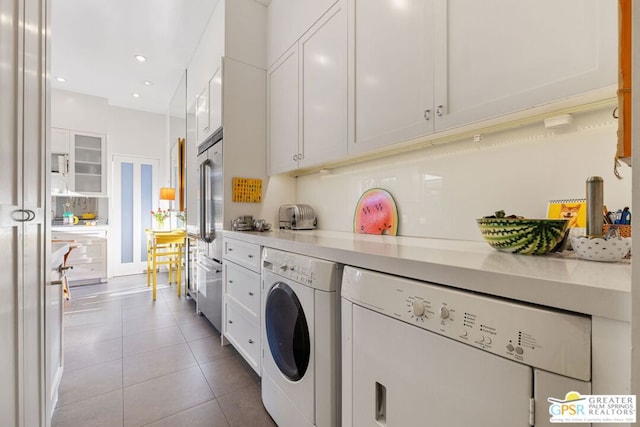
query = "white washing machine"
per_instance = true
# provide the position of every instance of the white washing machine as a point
(415, 353)
(300, 339)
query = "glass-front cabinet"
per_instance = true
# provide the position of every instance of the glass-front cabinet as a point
(88, 160)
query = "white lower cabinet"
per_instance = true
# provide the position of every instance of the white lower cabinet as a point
(241, 299)
(89, 260)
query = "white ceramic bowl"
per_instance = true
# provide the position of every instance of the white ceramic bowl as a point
(598, 249)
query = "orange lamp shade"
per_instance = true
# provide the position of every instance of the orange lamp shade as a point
(167, 193)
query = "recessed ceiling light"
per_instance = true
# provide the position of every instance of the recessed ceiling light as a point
(141, 58)
(135, 95)
(61, 79)
(148, 83)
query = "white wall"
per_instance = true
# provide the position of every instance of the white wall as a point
(441, 190)
(129, 132)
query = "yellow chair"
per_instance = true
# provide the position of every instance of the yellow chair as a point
(165, 248)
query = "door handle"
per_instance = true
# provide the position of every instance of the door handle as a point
(23, 215)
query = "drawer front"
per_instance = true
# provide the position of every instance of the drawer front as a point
(243, 333)
(94, 270)
(245, 254)
(244, 286)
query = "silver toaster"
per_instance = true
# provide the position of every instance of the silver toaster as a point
(297, 217)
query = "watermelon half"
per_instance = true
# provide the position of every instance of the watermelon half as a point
(523, 236)
(376, 213)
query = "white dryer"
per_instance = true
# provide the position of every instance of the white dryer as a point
(301, 339)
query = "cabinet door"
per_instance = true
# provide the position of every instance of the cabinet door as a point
(88, 163)
(215, 100)
(539, 51)
(392, 70)
(282, 113)
(323, 89)
(59, 141)
(202, 115)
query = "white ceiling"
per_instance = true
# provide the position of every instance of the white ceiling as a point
(94, 43)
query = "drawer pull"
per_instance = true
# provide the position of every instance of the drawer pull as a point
(250, 256)
(250, 293)
(250, 341)
(230, 281)
(230, 321)
(56, 282)
(230, 249)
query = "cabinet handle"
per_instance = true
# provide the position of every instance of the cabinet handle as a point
(250, 256)
(56, 282)
(250, 293)
(230, 249)
(295, 157)
(440, 110)
(230, 281)
(300, 156)
(230, 321)
(250, 341)
(427, 114)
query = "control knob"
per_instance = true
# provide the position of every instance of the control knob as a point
(418, 308)
(444, 312)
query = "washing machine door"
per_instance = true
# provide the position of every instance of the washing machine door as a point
(287, 332)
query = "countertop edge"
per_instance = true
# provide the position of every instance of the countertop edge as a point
(611, 302)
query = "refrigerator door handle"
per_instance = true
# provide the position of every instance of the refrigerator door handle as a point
(207, 233)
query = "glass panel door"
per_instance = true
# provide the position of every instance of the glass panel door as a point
(134, 190)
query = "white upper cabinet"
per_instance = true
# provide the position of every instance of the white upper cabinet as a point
(282, 113)
(307, 92)
(391, 67)
(288, 20)
(202, 115)
(215, 100)
(499, 56)
(323, 81)
(419, 66)
(209, 107)
(88, 163)
(59, 141)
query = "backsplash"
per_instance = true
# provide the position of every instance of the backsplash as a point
(441, 190)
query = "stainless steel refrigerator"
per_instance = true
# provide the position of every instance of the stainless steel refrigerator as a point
(210, 225)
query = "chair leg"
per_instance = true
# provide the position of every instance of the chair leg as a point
(179, 259)
(148, 265)
(155, 275)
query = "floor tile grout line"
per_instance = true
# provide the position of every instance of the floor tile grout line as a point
(181, 411)
(87, 398)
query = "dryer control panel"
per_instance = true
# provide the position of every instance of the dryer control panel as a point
(556, 341)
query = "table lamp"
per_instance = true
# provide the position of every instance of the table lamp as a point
(167, 193)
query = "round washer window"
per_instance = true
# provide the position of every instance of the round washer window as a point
(287, 331)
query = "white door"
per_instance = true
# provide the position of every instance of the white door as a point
(24, 211)
(135, 194)
(391, 71)
(406, 376)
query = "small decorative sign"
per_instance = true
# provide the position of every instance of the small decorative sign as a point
(247, 190)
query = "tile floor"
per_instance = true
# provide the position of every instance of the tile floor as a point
(132, 362)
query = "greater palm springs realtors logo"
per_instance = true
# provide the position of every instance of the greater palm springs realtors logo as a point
(576, 408)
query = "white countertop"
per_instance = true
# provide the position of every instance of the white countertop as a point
(594, 288)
